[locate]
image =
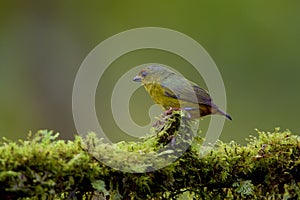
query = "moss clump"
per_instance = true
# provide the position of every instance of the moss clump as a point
(44, 167)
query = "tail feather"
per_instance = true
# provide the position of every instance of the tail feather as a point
(221, 112)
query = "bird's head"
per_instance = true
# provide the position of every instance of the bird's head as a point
(152, 73)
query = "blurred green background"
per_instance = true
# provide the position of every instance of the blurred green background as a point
(255, 45)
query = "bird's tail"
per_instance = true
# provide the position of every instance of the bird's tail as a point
(221, 112)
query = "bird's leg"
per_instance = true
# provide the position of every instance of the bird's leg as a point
(164, 116)
(169, 112)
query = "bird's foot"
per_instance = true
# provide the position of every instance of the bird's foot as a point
(159, 124)
(169, 112)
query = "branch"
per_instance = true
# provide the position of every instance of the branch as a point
(43, 166)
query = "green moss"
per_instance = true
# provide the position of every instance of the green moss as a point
(44, 167)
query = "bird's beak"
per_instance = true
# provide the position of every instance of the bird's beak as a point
(137, 79)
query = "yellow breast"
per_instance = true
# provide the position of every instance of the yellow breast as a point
(157, 93)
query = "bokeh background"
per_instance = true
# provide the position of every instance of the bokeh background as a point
(255, 45)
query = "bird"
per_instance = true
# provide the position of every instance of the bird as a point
(174, 92)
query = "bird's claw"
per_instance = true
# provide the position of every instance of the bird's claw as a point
(169, 112)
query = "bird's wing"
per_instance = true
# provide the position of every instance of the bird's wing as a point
(182, 89)
(202, 94)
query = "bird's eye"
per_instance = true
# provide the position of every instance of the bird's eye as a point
(143, 73)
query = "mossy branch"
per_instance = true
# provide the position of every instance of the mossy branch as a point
(44, 167)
